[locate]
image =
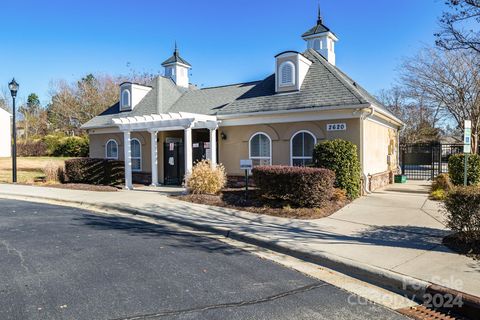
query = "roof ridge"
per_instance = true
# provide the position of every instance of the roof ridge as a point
(335, 72)
(233, 84)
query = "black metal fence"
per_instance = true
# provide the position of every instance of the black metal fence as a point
(424, 161)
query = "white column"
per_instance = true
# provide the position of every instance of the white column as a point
(154, 159)
(128, 160)
(187, 143)
(213, 147)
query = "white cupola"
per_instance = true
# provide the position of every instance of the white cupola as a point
(177, 68)
(321, 39)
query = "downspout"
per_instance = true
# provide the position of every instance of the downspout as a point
(364, 117)
(399, 168)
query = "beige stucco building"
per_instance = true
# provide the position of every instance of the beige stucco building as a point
(163, 127)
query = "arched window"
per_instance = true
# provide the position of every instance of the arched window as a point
(125, 99)
(316, 44)
(136, 154)
(111, 149)
(287, 74)
(260, 149)
(301, 148)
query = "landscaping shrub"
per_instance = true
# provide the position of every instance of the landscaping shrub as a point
(438, 194)
(301, 186)
(441, 185)
(34, 148)
(340, 156)
(71, 147)
(53, 172)
(94, 171)
(442, 182)
(54, 145)
(456, 168)
(204, 179)
(463, 212)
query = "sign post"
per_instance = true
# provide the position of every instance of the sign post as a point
(467, 147)
(246, 165)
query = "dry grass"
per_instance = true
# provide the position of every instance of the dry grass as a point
(29, 169)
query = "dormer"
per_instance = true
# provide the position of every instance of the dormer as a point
(131, 94)
(321, 39)
(176, 68)
(291, 68)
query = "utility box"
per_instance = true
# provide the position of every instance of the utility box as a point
(400, 178)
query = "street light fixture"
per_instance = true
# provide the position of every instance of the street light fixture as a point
(13, 86)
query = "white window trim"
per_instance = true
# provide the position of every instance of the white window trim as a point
(140, 157)
(250, 149)
(106, 149)
(123, 106)
(280, 74)
(291, 146)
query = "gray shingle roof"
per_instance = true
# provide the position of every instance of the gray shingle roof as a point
(175, 58)
(319, 28)
(324, 85)
(210, 100)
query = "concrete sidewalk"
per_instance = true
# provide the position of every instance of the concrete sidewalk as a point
(396, 230)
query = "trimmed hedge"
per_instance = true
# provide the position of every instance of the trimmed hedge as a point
(35, 148)
(340, 156)
(94, 171)
(456, 169)
(301, 186)
(463, 212)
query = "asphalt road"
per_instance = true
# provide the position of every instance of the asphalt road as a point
(67, 263)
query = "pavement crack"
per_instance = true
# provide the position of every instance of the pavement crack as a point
(12, 250)
(428, 250)
(230, 304)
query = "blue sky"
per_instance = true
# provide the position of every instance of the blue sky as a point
(225, 41)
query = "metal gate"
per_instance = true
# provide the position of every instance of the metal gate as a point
(424, 161)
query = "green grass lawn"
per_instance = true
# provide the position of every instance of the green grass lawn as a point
(28, 168)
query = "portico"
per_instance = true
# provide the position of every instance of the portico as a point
(156, 123)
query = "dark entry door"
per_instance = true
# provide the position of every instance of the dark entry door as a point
(173, 163)
(199, 150)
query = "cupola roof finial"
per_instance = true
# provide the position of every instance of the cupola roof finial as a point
(319, 15)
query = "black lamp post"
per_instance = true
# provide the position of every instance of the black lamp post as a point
(13, 86)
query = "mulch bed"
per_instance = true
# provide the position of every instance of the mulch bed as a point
(235, 199)
(458, 245)
(85, 187)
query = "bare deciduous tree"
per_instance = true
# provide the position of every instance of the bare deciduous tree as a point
(73, 104)
(420, 119)
(460, 26)
(448, 81)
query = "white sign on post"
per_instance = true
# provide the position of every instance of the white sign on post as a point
(246, 164)
(467, 137)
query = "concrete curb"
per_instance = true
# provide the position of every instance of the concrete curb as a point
(413, 288)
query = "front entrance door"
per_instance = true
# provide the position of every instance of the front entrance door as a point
(199, 151)
(173, 163)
